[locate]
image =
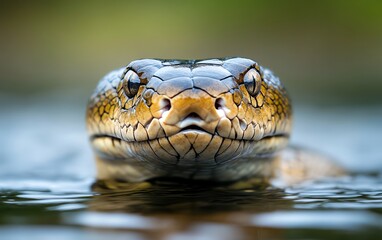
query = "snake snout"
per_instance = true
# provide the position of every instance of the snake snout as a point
(193, 110)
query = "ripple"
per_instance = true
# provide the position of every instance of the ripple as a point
(115, 220)
(346, 220)
(67, 207)
(62, 233)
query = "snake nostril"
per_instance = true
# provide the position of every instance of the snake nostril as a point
(165, 104)
(219, 103)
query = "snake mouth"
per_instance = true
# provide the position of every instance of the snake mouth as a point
(186, 131)
(189, 147)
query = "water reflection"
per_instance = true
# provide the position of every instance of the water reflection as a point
(187, 198)
(182, 211)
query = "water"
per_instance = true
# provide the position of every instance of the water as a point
(350, 206)
(46, 177)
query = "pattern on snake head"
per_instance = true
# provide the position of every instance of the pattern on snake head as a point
(189, 112)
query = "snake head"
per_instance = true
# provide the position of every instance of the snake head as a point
(175, 116)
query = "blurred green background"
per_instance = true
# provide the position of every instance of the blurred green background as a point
(324, 51)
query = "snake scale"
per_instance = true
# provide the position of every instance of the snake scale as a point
(222, 120)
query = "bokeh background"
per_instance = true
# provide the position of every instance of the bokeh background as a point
(321, 49)
(328, 54)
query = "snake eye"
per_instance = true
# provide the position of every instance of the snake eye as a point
(131, 83)
(252, 82)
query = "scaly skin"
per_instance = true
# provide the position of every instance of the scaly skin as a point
(219, 119)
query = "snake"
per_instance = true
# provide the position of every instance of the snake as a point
(223, 120)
